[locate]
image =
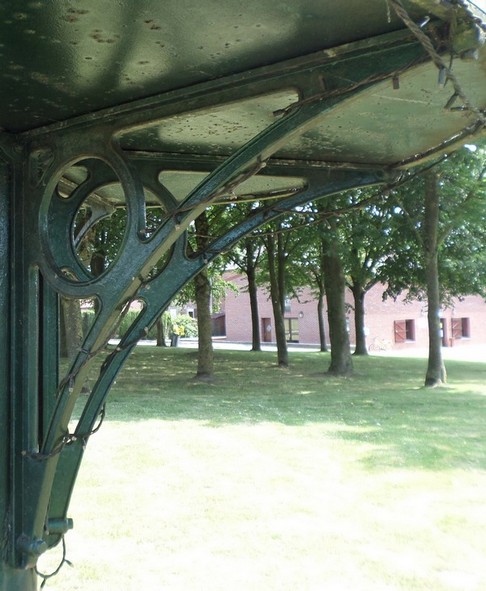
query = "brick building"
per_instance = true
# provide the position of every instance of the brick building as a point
(388, 324)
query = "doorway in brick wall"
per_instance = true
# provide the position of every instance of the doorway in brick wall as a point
(267, 330)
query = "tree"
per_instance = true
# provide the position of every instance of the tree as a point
(323, 232)
(365, 241)
(320, 251)
(335, 284)
(253, 251)
(432, 210)
(315, 267)
(205, 290)
(283, 271)
(161, 336)
(436, 373)
(71, 327)
(246, 257)
(202, 297)
(276, 262)
(360, 228)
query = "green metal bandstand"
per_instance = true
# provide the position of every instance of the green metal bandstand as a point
(137, 104)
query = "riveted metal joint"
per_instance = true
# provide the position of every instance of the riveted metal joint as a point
(31, 548)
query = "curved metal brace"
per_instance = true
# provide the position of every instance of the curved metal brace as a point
(158, 293)
(138, 258)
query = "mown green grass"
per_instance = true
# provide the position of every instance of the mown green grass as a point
(384, 398)
(283, 479)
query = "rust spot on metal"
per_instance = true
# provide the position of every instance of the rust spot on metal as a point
(79, 11)
(152, 25)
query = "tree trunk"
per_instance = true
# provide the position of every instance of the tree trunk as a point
(341, 361)
(276, 298)
(205, 361)
(282, 350)
(280, 258)
(359, 319)
(255, 320)
(436, 373)
(160, 333)
(320, 316)
(71, 328)
(97, 264)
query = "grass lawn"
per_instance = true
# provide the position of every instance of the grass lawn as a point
(282, 480)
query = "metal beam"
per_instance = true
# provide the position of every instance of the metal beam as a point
(304, 73)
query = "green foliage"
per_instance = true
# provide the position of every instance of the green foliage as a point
(219, 289)
(461, 234)
(87, 318)
(183, 325)
(290, 239)
(129, 318)
(102, 244)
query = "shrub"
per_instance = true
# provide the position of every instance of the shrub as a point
(184, 325)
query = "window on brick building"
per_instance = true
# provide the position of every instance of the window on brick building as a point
(287, 305)
(292, 330)
(461, 328)
(404, 330)
(410, 330)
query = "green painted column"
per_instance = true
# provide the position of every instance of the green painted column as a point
(17, 580)
(4, 358)
(11, 579)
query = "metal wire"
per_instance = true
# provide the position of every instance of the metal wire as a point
(55, 572)
(67, 439)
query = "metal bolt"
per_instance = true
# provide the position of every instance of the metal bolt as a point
(33, 547)
(59, 526)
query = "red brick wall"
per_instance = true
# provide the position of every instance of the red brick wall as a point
(380, 317)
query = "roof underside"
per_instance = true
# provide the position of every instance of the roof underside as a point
(247, 63)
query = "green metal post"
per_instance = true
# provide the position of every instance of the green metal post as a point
(4, 358)
(12, 578)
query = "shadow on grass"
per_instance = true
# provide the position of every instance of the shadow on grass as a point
(382, 406)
